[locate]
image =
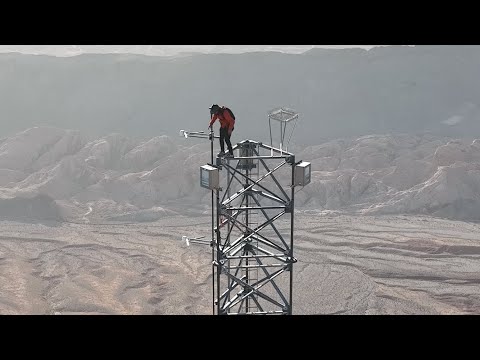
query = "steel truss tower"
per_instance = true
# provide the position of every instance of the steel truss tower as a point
(253, 221)
(253, 256)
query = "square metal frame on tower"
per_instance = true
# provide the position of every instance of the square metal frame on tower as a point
(284, 116)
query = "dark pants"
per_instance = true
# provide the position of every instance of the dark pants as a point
(225, 138)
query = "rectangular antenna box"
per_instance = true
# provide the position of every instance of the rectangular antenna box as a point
(209, 177)
(302, 173)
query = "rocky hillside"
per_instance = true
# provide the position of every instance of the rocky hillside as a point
(51, 173)
(348, 92)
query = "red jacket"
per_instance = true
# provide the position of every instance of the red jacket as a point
(226, 121)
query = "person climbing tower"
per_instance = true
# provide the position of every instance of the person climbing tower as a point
(227, 124)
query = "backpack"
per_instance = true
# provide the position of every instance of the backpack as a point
(230, 112)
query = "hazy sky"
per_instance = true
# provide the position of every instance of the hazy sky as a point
(161, 50)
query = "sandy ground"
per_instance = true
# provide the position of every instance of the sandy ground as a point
(346, 265)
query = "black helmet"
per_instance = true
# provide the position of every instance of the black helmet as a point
(214, 109)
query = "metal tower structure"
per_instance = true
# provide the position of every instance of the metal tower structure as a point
(252, 225)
